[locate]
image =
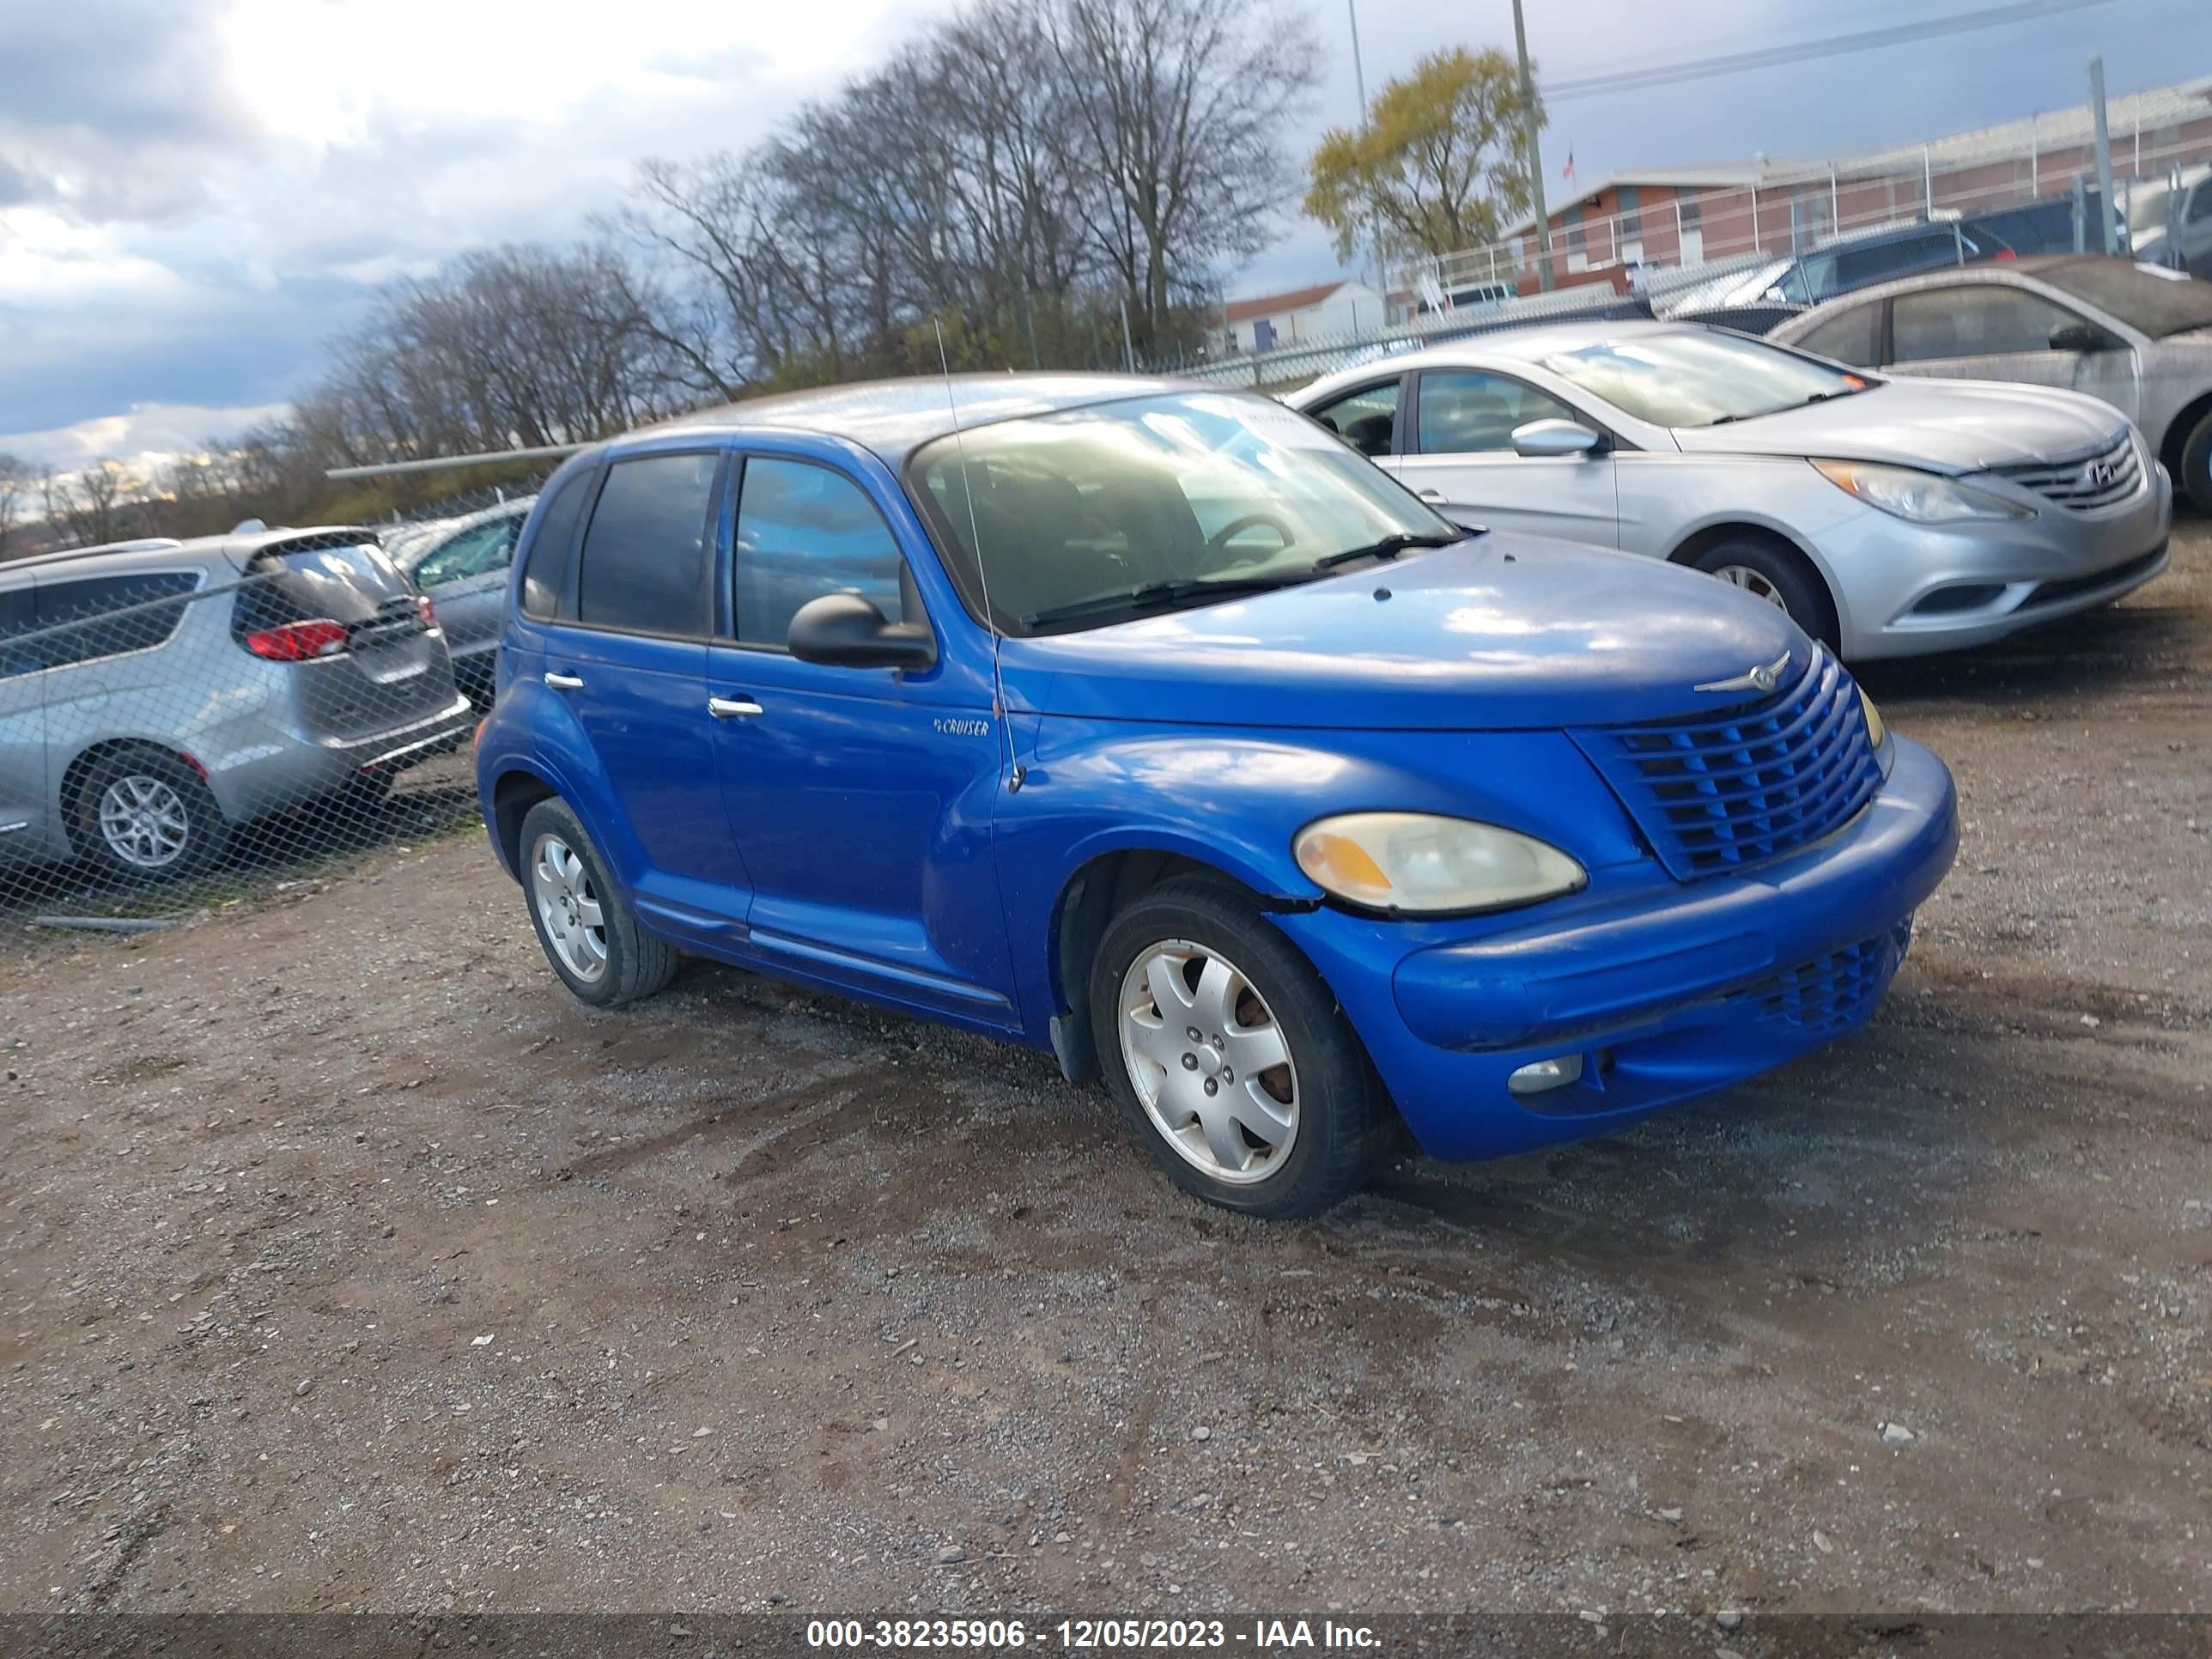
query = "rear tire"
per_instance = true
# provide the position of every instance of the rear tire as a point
(2196, 479)
(143, 816)
(1278, 1137)
(588, 930)
(1779, 575)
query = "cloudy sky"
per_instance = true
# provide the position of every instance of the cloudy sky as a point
(195, 193)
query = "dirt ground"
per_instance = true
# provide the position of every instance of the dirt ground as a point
(349, 1264)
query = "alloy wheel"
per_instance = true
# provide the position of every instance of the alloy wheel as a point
(568, 908)
(143, 821)
(1210, 1064)
(1753, 582)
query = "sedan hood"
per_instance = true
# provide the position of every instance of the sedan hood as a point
(1496, 633)
(1945, 426)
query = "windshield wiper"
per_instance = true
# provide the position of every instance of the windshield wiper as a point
(1817, 397)
(1199, 588)
(1390, 546)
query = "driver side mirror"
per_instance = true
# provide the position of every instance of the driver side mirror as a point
(1554, 438)
(2079, 336)
(844, 630)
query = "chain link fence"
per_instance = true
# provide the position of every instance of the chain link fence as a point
(185, 724)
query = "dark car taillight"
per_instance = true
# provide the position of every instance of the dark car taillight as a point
(299, 641)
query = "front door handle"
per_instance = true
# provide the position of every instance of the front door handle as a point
(732, 708)
(565, 682)
(1432, 495)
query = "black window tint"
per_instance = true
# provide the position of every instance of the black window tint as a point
(1464, 412)
(2200, 204)
(1854, 336)
(805, 531)
(18, 616)
(1975, 321)
(1366, 420)
(645, 555)
(545, 582)
(106, 615)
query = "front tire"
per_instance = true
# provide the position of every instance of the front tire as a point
(587, 928)
(143, 816)
(1230, 1057)
(1781, 577)
(2196, 478)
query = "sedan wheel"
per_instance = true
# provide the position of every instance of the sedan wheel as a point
(1208, 1061)
(569, 908)
(1755, 583)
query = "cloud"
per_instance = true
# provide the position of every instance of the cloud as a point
(145, 434)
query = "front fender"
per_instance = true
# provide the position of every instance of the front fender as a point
(1233, 800)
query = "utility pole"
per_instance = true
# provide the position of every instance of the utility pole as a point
(1535, 157)
(1359, 85)
(2110, 239)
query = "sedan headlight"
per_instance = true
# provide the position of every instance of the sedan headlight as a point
(1921, 497)
(1421, 863)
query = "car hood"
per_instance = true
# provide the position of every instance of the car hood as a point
(1945, 426)
(1495, 633)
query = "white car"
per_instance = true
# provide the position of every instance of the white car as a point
(1889, 518)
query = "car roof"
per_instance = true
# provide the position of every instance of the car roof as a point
(895, 417)
(168, 553)
(1507, 345)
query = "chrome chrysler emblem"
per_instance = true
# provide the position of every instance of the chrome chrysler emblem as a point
(1764, 678)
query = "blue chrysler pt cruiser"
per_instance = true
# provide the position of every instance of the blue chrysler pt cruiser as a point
(1149, 724)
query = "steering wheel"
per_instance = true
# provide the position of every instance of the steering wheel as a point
(1219, 540)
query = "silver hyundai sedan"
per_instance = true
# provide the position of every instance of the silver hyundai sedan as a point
(1889, 518)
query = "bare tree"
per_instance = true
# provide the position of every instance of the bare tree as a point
(1182, 106)
(92, 505)
(17, 479)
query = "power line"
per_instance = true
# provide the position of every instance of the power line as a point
(1701, 68)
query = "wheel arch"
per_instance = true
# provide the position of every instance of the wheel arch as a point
(514, 793)
(1090, 897)
(1686, 552)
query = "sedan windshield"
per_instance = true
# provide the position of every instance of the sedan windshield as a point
(1695, 378)
(1092, 515)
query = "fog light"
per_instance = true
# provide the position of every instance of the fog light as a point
(1544, 1075)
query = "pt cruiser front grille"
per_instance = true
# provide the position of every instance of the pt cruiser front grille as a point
(2104, 477)
(1731, 791)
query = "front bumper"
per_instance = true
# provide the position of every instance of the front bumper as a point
(1911, 588)
(1663, 994)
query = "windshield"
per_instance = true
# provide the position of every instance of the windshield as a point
(2146, 206)
(1695, 377)
(1176, 499)
(2150, 298)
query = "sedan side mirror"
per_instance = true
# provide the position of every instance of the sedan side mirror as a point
(846, 631)
(2079, 336)
(1554, 438)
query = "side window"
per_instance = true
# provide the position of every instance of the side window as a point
(643, 564)
(2200, 204)
(1979, 320)
(18, 617)
(476, 551)
(98, 617)
(1853, 337)
(1366, 419)
(1466, 412)
(805, 531)
(545, 581)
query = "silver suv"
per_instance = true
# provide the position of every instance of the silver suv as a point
(154, 695)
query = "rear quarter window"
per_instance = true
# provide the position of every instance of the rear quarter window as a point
(96, 617)
(553, 550)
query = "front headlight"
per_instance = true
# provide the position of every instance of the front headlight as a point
(1877, 728)
(1921, 497)
(1421, 863)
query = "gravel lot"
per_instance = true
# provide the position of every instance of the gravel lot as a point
(349, 1264)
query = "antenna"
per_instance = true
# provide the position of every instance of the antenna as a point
(1015, 772)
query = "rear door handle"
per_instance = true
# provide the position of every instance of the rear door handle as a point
(565, 682)
(732, 708)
